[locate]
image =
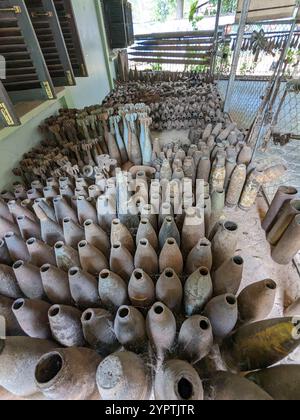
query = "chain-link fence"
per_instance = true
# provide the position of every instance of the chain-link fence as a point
(277, 143)
(246, 99)
(287, 118)
(262, 49)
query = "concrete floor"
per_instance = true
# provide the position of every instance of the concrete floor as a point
(256, 251)
(259, 265)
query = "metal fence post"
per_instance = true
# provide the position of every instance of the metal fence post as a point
(216, 38)
(236, 57)
(267, 111)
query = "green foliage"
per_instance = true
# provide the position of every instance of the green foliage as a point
(292, 56)
(228, 6)
(193, 10)
(156, 67)
(162, 10)
(194, 17)
(248, 68)
(197, 68)
(224, 58)
(292, 59)
(166, 8)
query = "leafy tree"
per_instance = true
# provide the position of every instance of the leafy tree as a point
(163, 9)
(228, 6)
(194, 16)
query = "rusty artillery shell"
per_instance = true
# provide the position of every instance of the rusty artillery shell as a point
(289, 244)
(236, 186)
(257, 300)
(178, 380)
(19, 356)
(198, 291)
(225, 386)
(261, 344)
(123, 376)
(251, 189)
(285, 217)
(68, 374)
(283, 195)
(281, 382)
(273, 173)
(218, 175)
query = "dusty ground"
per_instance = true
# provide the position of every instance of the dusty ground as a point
(259, 265)
(255, 250)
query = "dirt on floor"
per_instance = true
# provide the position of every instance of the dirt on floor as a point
(259, 265)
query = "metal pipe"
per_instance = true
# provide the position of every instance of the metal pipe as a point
(179, 41)
(293, 27)
(276, 85)
(269, 202)
(216, 38)
(278, 34)
(188, 62)
(175, 35)
(98, 6)
(236, 57)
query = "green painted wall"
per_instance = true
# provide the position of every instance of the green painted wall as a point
(14, 142)
(93, 89)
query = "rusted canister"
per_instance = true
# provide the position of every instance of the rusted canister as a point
(236, 185)
(252, 187)
(289, 244)
(287, 213)
(284, 195)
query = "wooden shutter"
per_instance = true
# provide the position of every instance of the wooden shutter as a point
(118, 19)
(70, 32)
(26, 69)
(47, 28)
(8, 116)
(129, 24)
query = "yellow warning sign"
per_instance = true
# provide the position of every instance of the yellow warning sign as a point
(70, 78)
(4, 111)
(48, 90)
